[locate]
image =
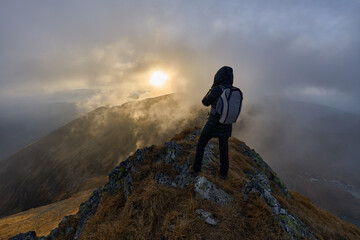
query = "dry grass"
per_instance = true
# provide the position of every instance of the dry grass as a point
(42, 219)
(60, 164)
(325, 224)
(153, 211)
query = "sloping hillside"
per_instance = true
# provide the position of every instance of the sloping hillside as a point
(22, 122)
(313, 148)
(151, 195)
(78, 156)
(42, 219)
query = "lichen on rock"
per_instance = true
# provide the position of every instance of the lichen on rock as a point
(290, 223)
(207, 190)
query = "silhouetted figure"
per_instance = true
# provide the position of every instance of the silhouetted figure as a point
(213, 128)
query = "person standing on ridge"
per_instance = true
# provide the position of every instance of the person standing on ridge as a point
(214, 128)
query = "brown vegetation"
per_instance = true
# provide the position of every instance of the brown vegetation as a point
(153, 211)
(325, 224)
(68, 159)
(42, 219)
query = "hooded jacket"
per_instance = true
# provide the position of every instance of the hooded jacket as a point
(223, 77)
(213, 127)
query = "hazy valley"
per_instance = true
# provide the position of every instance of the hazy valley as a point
(296, 141)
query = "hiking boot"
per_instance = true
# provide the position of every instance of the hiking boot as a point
(193, 172)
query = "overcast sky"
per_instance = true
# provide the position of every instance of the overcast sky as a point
(103, 52)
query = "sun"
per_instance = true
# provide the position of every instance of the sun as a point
(158, 78)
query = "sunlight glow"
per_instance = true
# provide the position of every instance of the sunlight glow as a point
(158, 78)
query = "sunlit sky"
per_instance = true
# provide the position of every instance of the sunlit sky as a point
(105, 52)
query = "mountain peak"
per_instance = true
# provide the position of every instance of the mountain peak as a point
(152, 195)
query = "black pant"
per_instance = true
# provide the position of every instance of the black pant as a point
(224, 155)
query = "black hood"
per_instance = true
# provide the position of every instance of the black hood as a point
(224, 76)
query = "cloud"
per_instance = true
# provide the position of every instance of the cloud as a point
(314, 91)
(102, 53)
(111, 48)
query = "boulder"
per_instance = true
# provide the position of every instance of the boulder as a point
(205, 189)
(207, 217)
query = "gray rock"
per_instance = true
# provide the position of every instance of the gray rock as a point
(172, 149)
(283, 211)
(207, 217)
(163, 179)
(259, 183)
(87, 210)
(288, 221)
(209, 155)
(128, 185)
(69, 230)
(139, 156)
(44, 238)
(183, 178)
(31, 235)
(265, 168)
(205, 189)
(271, 200)
(115, 178)
(181, 181)
(275, 210)
(182, 168)
(191, 137)
(53, 234)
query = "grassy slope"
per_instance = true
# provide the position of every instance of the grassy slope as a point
(152, 209)
(42, 219)
(84, 150)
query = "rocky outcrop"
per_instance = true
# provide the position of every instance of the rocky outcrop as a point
(258, 181)
(182, 178)
(207, 190)
(120, 179)
(25, 236)
(260, 184)
(265, 169)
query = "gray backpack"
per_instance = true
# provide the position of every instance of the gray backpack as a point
(228, 105)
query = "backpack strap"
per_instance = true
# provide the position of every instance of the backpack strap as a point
(222, 87)
(225, 107)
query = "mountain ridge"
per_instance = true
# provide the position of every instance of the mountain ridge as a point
(88, 146)
(151, 195)
(152, 121)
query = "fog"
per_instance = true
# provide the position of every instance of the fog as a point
(90, 54)
(306, 50)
